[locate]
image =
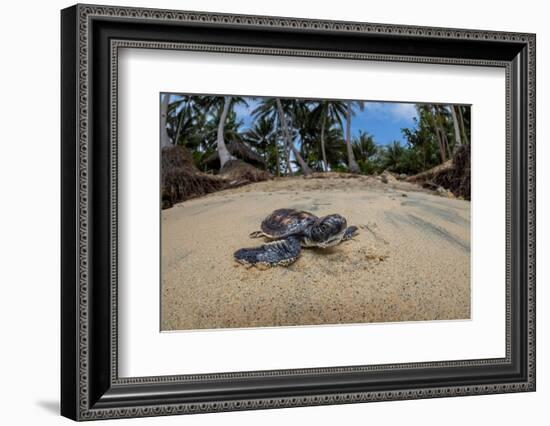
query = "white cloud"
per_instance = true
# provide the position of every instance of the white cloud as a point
(396, 111)
(403, 111)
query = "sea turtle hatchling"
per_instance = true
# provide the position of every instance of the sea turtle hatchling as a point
(290, 230)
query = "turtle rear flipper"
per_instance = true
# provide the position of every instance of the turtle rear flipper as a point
(277, 253)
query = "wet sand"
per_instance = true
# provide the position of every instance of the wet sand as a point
(410, 261)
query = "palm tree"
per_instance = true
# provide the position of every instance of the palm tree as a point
(436, 120)
(289, 140)
(184, 117)
(442, 122)
(165, 140)
(336, 148)
(364, 146)
(267, 109)
(272, 109)
(393, 154)
(262, 137)
(221, 106)
(223, 153)
(366, 152)
(233, 137)
(180, 117)
(328, 112)
(461, 120)
(350, 105)
(303, 131)
(456, 125)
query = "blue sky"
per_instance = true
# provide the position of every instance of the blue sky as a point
(383, 120)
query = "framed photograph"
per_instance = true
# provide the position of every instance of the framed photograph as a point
(263, 212)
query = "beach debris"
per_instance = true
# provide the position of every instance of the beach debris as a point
(332, 175)
(237, 170)
(454, 174)
(444, 192)
(376, 257)
(388, 177)
(288, 230)
(182, 180)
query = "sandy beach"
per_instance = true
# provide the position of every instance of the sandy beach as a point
(410, 261)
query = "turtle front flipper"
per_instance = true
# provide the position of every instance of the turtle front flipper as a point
(350, 232)
(256, 234)
(277, 253)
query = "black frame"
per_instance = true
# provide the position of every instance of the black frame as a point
(90, 387)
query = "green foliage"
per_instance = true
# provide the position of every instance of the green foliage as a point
(366, 153)
(364, 146)
(369, 167)
(262, 138)
(193, 122)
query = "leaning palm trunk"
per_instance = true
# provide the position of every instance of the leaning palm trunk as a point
(462, 127)
(447, 145)
(441, 143)
(180, 121)
(277, 161)
(165, 141)
(439, 133)
(352, 164)
(456, 125)
(223, 152)
(445, 142)
(287, 157)
(323, 148)
(305, 168)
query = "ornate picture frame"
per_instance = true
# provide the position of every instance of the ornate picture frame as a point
(91, 386)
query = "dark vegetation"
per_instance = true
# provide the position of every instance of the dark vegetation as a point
(457, 178)
(181, 179)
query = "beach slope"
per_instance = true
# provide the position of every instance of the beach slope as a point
(410, 261)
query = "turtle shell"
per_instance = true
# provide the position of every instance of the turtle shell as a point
(284, 222)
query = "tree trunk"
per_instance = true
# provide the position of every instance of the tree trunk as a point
(441, 118)
(305, 169)
(446, 142)
(165, 140)
(277, 159)
(323, 149)
(456, 125)
(182, 113)
(289, 171)
(462, 127)
(441, 144)
(223, 152)
(424, 151)
(430, 174)
(434, 111)
(352, 164)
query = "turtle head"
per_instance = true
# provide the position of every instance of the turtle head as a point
(327, 231)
